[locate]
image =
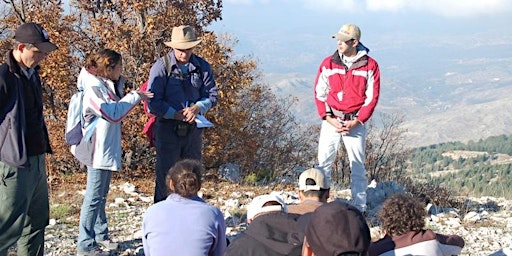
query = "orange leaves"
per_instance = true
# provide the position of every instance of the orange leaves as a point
(248, 130)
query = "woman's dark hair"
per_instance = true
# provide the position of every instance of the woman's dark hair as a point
(186, 177)
(402, 213)
(90, 63)
(99, 62)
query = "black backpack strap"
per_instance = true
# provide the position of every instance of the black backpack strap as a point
(168, 68)
(167, 63)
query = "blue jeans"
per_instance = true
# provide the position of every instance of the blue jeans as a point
(93, 219)
(24, 207)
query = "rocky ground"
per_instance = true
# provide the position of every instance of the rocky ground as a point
(487, 229)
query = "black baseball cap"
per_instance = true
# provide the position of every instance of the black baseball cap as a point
(33, 33)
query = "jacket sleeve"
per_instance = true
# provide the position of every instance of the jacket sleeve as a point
(12, 127)
(156, 84)
(209, 92)
(450, 244)
(321, 90)
(145, 232)
(372, 92)
(112, 111)
(220, 241)
(3, 101)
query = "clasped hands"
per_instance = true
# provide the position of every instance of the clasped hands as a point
(343, 127)
(187, 114)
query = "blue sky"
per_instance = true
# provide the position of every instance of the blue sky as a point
(287, 36)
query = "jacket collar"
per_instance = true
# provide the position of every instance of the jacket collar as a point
(362, 61)
(14, 66)
(194, 62)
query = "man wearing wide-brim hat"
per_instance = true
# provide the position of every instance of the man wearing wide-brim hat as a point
(183, 87)
(183, 37)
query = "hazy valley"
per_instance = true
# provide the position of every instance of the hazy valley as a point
(443, 96)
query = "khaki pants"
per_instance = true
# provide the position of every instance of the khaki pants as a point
(24, 207)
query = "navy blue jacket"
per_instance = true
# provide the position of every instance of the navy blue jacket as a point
(174, 91)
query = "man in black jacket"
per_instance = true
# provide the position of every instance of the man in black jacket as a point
(336, 228)
(271, 231)
(24, 207)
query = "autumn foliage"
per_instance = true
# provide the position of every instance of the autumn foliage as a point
(261, 139)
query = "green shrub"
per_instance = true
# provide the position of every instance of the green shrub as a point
(251, 179)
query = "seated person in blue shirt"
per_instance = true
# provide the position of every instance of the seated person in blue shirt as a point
(184, 224)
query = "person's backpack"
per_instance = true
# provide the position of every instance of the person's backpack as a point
(75, 120)
(76, 128)
(149, 127)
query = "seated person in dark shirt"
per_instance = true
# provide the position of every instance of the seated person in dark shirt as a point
(313, 191)
(264, 204)
(271, 230)
(336, 228)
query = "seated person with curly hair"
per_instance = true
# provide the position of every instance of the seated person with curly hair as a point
(402, 220)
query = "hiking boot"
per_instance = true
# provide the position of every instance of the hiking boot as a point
(108, 244)
(94, 252)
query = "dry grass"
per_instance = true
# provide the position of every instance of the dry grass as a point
(66, 192)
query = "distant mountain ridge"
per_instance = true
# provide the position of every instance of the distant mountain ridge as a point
(450, 87)
(471, 101)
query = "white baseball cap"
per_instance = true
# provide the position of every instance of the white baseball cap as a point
(317, 176)
(257, 205)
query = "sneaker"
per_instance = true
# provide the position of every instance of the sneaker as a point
(108, 244)
(94, 252)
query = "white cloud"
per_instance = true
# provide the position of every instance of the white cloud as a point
(446, 8)
(332, 5)
(245, 2)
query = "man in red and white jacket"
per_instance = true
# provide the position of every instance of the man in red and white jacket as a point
(346, 93)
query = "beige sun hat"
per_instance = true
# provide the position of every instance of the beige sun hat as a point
(348, 32)
(183, 37)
